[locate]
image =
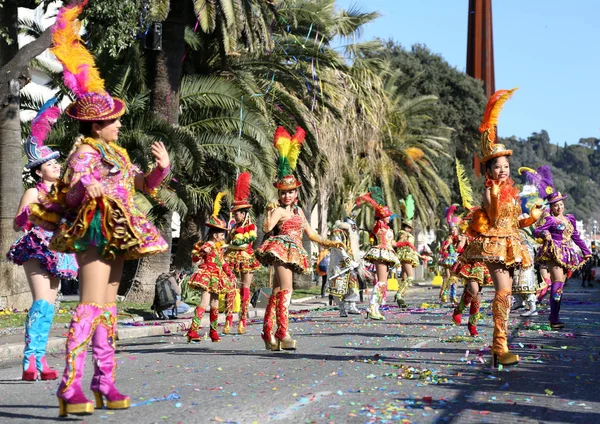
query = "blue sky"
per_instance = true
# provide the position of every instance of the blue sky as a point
(550, 49)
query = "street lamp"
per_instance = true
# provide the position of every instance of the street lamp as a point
(594, 229)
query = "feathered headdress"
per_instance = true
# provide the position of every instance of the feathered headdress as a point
(452, 218)
(543, 181)
(35, 150)
(214, 220)
(407, 206)
(375, 198)
(289, 149)
(80, 74)
(241, 194)
(489, 148)
(464, 186)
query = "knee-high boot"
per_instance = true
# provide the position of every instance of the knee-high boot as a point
(105, 365)
(474, 315)
(229, 305)
(269, 322)
(465, 301)
(452, 283)
(244, 305)
(444, 290)
(37, 327)
(284, 340)
(500, 310)
(71, 399)
(192, 334)
(377, 293)
(402, 287)
(214, 325)
(555, 300)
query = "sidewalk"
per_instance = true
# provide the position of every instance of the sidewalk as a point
(11, 346)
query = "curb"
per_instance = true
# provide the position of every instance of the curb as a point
(128, 329)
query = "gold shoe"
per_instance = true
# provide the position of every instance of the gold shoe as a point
(227, 328)
(241, 328)
(65, 408)
(287, 344)
(271, 344)
(506, 360)
(111, 404)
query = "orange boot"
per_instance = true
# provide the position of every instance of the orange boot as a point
(500, 309)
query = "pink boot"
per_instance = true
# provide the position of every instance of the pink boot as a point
(103, 352)
(71, 399)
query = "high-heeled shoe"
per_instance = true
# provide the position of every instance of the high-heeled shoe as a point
(227, 328)
(193, 336)
(286, 344)
(47, 373)
(123, 403)
(241, 328)
(30, 373)
(81, 408)
(374, 314)
(472, 330)
(506, 360)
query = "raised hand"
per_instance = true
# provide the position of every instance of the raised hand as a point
(160, 153)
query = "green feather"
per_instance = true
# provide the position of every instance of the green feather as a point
(284, 168)
(410, 207)
(377, 195)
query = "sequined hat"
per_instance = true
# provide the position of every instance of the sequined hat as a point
(35, 150)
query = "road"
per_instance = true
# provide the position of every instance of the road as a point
(414, 367)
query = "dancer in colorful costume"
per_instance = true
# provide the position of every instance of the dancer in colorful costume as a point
(381, 254)
(214, 276)
(240, 255)
(101, 223)
(406, 251)
(283, 250)
(557, 231)
(345, 267)
(475, 275)
(498, 242)
(449, 255)
(43, 267)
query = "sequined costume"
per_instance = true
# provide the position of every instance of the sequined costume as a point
(476, 271)
(240, 256)
(214, 274)
(382, 249)
(34, 245)
(559, 249)
(111, 223)
(285, 248)
(448, 253)
(406, 250)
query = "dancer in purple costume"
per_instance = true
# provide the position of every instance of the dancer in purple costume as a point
(558, 232)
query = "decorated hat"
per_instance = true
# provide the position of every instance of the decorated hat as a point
(35, 150)
(289, 149)
(542, 179)
(80, 74)
(375, 198)
(241, 194)
(214, 221)
(452, 218)
(488, 128)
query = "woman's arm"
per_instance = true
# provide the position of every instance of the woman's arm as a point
(542, 230)
(273, 215)
(151, 181)
(21, 220)
(81, 168)
(316, 237)
(577, 238)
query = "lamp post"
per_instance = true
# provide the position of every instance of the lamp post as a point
(594, 229)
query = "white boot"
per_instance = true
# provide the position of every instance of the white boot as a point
(531, 312)
(342, 306)
(352, 309)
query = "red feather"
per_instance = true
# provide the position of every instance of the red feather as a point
(242, 187)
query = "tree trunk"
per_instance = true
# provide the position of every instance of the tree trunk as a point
(190, 233)
(165, 71)
(323, 209)
(14, 289)
(302, 281)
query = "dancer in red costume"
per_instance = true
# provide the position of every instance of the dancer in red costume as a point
(214, 276)
(240, 255)
(381, 254)
(498, 242)
(286, 223)
(101, 223)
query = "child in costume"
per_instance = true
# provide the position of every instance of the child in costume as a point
(449, 255)
(498, 242)
(100, 221)
(240, 255)
(214, 275)
(345, 267)
(475, 274)
(43, 267)
(381, 254)
(406, 251)
(283, 250)
(558, 231)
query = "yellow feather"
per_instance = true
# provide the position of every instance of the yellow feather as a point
(217, 204)
(466, 191)
(525, 168)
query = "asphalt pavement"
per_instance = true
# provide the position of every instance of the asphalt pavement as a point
(414, 367)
